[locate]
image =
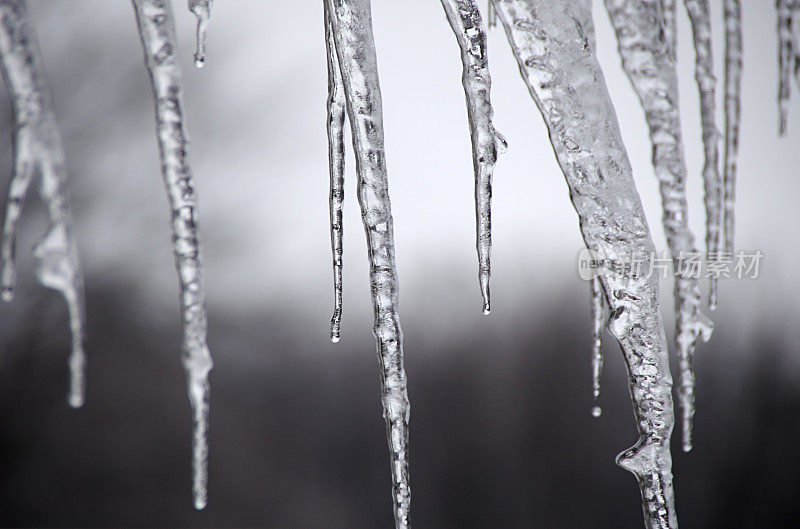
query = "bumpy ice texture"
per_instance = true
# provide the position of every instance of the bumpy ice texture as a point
(351, 21)
(646, 58)
(554, 46)
(38, 147)
(465, 20)
(706, 84)
(733, 102)
(157, 32)
(336, 116)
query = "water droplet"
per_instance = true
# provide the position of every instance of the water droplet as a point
(597, 411)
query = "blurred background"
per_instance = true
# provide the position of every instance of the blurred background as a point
(502, 434)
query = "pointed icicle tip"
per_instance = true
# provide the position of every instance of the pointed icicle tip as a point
(76, 401)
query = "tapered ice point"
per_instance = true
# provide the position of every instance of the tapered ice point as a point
(157, 33)
(706, 84)
(38, 149)
(733, 102)
(465, 21)
(201, 10)
(350, 23)
(335, 127)
(648, 62)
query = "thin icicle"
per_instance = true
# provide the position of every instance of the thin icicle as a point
(733, 98)
(553, 44)
(38, 147)
(491, 15)
(669, 12)
(157, 32)
(598, 319)
(352, 29)
(336, 111)
(201, 10)
(647, 61)
(706, 84)
(465, 20)
(785, 60)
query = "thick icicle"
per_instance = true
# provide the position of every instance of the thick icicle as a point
(647, 61)
(336, 111)
(201, 10)
(355, 48)
(38, 147)
(706, 84)
(553, 43)
(733, 97)
(465, 20)
(598, 319)
(669, 12)
(157, 32)
(785, 61)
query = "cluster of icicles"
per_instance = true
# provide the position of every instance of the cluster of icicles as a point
(553, 42)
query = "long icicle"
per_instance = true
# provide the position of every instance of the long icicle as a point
(553, 44)
(598, 319)
(157, 32)
(733, 99)
(336, 116)
(355, 48)
(706, 84)
(202, 11)
(465, 20)
(38, 146)
(647, 61)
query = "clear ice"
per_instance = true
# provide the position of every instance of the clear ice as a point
(38, 148)
(157, 32)
(669, 12)
(351, 22)
(336, 116)
(598, 320)
(554, 46)
(788, 55)
(201, 10)
(733, 98)
(647, 60)
(706, 84)
(465, 20)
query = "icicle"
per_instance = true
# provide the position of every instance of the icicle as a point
(647, 61)
(487, 143)
(352, 29)
(157, 32)
(669, 12)
(37, 146)
(598, 319)
(733, 86)
(785, 54)
(553, 43)
(201, 10)
(491, 15)
(704, 75)
(336, 110)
